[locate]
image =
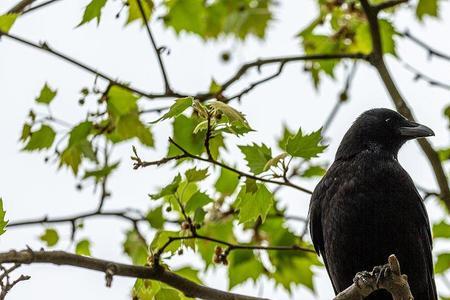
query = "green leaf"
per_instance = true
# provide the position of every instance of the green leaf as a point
(155, 218)
(282, 141)
(144, 289)
(26, 132)
(305, 146)
(313, 171)
(441, 230)
(387, 32)
(227, 182)
(83, 248)
(243, 266)
(183, 134)
(442, 263)
(93, 11)
(167, 294)
(186, 15)
(254, 205)
(198, 200)
(177, 108)
(7, 21)
(427, 8)
(47, 95)
(99, 174)
(170, 189)
(256, 157)
(162, 237)
(3, 222)
(189, 273)
(193, 175)
(121, 101)
(41, 139)
(222, 228)
(50, 237)
(79, 147)
(135, 248)
(134, 13)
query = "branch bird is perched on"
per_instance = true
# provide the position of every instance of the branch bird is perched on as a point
(366, 207)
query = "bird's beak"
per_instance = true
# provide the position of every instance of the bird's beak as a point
(415, 130)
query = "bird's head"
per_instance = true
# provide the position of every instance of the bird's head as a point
(380, 129)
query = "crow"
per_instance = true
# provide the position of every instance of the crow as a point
(366, 207)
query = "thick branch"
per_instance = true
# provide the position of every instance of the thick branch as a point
(189, 288)
(377, 60)
(391, 280)
(19, 7)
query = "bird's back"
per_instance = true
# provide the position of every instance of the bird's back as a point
(364, 209)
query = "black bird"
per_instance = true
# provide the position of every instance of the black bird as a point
(366, 207)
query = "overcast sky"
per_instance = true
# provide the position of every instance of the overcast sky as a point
(31, 188)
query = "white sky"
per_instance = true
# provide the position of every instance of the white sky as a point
(32, 189)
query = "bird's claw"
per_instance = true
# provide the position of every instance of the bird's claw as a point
(362, 278)
(381, 272)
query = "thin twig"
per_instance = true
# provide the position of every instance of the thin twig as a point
(168, 90)
(187, 154)
(431, 51)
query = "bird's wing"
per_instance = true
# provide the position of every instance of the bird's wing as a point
(315, 223)
(427, 246)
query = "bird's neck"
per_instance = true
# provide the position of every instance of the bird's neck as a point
(348, 150)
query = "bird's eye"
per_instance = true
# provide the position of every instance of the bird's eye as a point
(388, 120)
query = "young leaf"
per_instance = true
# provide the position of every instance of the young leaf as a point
(254, 205)
(41, 139)
(274, 161)
(98, 174)
(3, 222)
(193, 175)
(176, 109)
(83, 248)
(7, 21)
(305, 146)
(50, 237)
(46, 95)
(93, 11)
(234, 116)
(256, 157)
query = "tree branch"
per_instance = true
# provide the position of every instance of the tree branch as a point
(431, 52)
(189, 288)
(45, 47)
(376, 58)
(19, 7)
(388, 277)
(168, 90)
